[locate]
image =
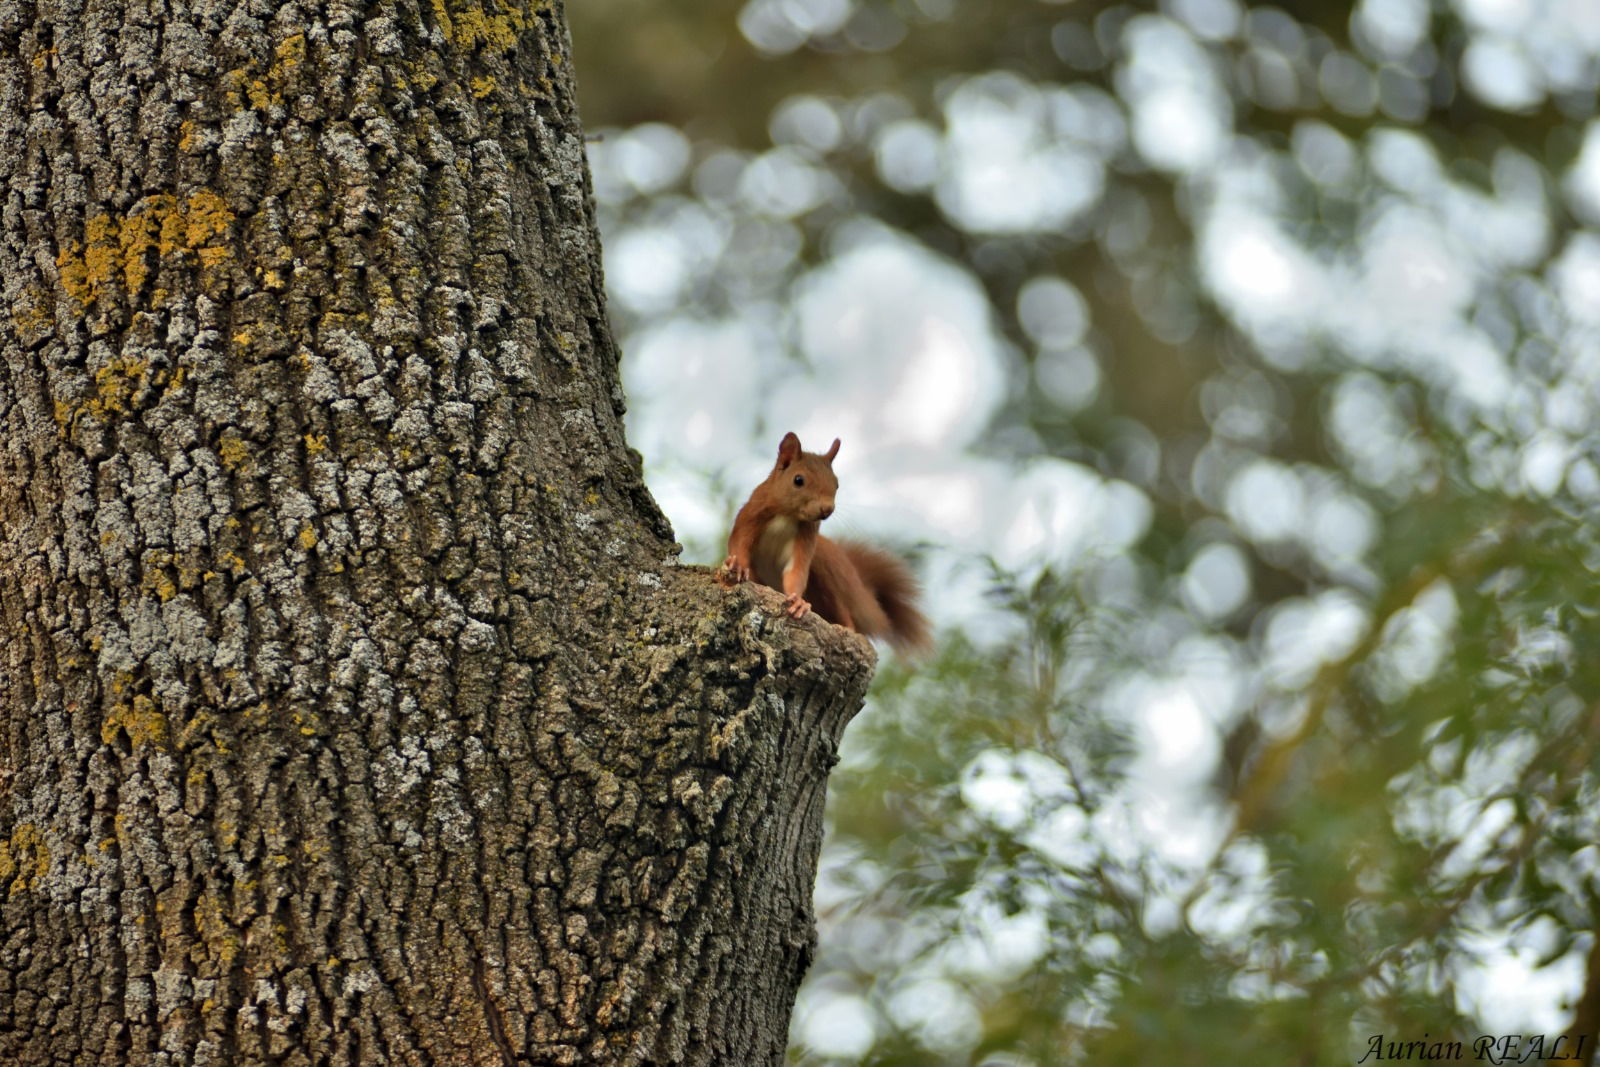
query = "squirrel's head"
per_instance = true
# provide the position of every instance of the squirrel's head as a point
(804, 481)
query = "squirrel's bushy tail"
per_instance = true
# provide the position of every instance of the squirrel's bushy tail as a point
(895, 588)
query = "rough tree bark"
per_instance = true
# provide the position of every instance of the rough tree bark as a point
(353, 710)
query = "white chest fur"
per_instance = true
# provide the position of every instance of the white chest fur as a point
(774, 551)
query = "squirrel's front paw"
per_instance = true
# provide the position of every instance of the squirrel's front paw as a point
(733, 571)
(796, 605)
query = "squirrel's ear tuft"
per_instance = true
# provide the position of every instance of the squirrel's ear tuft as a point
(788, 449)
(834, 451)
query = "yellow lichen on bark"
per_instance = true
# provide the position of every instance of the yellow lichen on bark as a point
(233, 452)
(24, 859)
(215, 928)
(159, 569)
(122, 386)
(141, 719)
(266, 92)
(119, 247)
(290, 53)
(198, 727)
(206, 219)
(115, 386)
(31, 314)
(468, 25)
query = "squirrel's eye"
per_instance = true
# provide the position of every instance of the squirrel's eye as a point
(799, 479)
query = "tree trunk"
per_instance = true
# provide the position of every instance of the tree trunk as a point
(352, 708)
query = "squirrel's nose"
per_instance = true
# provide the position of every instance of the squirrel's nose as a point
(827, 509)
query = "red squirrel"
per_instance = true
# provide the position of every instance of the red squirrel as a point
(775, 540)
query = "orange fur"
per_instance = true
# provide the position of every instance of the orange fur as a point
(775, 540)
(892, 591)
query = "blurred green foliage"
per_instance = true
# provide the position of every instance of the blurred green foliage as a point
(1399, 696)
